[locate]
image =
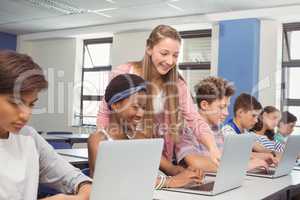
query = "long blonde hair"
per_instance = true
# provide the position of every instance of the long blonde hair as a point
(170, 89)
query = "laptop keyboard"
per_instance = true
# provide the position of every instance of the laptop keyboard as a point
(207, 187)
(263, 172)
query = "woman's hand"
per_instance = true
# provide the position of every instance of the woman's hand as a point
(189, 176)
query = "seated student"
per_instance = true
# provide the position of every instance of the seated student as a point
(213, 98)
(26, 158)
(264, 129)
(125, 95)
(285, 127)
(246, 111)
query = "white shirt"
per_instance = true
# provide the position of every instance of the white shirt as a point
(158, 102)
(19, 168)
(26, 160)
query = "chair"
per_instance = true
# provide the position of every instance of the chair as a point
(60, 144)
(59, 133)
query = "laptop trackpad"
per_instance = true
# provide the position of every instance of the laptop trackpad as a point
(207, 187)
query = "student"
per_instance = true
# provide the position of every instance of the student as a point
(26, 158)
(285, 127)
(246, 112)
(126, 98)
(264, 129)
(213, 98)
(169, 102)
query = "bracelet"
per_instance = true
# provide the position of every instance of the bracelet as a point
(168, 180)
(161, 183)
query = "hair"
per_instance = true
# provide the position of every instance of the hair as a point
(124, 82)
(259, 125)
(158, 34)
(246, 102)
(20, 74)
(287, 117)
(213, 88)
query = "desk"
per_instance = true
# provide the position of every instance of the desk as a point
(80, 163)
(77, 153)
(69, 138)
(253, 188)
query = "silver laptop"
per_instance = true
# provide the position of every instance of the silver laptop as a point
(232, 169)
(286, 163)
(126, 169)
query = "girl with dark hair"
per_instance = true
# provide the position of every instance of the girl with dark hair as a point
(264, 129)
(26, 158)
(126, 98)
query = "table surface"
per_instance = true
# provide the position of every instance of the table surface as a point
(79, 153)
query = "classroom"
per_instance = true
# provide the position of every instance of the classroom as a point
(154, 100)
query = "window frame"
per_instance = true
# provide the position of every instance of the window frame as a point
(286, 65)
(93, 69)
(195, 65)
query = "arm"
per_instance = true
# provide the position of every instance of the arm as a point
(93, 145)
(200, 162)
(168, 168)
(200, 128)
(55, 171)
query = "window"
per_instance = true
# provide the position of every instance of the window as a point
(196, 50)
(95, 76)
(291, 69)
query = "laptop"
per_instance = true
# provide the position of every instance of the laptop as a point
(286, 163)
(232, 169)
(126, 169)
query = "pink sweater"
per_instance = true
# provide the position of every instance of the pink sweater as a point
(188, 109)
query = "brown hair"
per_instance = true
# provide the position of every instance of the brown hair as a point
(19, 73)
(158, 34)
(259, 125)
(213, 88)
(246, 102)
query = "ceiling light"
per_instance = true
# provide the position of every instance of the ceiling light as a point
(175, 7)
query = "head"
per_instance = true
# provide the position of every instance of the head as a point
(246, 110)
(162, 50)
(287, 123)
(21, 79)
(126, 97)
(213, 98)
(268, 120)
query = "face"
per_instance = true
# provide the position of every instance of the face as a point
(286, 129)
(271, 120)
(216, 111)
(164, 55)
(247, 118)
(14, 113)
(131, 110)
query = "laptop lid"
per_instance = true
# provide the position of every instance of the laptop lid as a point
(234, 162)
(126, 169)
(289, 156)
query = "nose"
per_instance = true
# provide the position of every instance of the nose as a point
(140, 113)
(24, 113)
(225, 112)
(170, 60)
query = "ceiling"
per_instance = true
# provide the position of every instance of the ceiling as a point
(30, 16)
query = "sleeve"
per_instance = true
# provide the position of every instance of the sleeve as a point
(189, 111)
(54, 170)
(104, 112)
(187, 145)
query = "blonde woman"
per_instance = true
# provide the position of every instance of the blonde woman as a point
(169, 102)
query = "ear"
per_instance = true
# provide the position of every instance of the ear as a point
(239, 112)
(149, 51)
(203, 105)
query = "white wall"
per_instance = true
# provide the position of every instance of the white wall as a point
(270, 62)
(57, 57)
(128, 46)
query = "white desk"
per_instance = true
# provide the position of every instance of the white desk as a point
(252, 189)
(78, 153)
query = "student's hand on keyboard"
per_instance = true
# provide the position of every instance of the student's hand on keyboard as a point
(257, 163)
(269, 158)
(189, 176)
